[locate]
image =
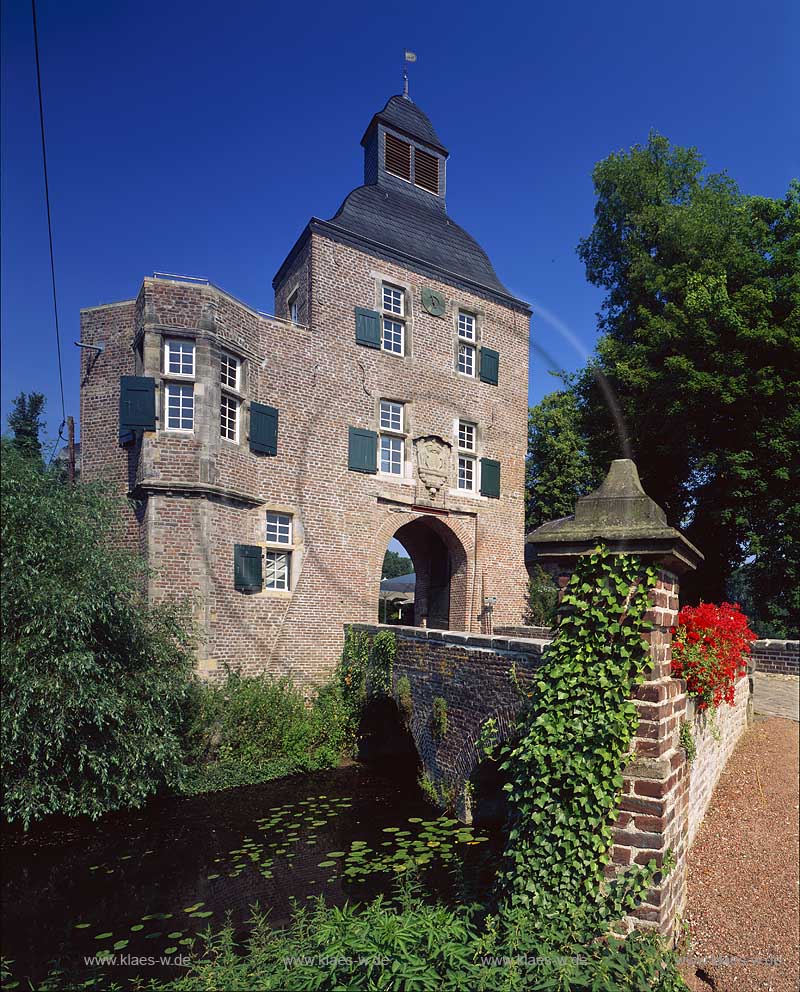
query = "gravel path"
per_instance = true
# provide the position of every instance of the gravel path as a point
(743, 870)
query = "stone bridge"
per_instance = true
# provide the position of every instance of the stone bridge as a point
(478, 676)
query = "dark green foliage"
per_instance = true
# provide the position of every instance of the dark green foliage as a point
(701, 346)
(26, 420)
(557, 469)
(565, 769)
(395, 564)
(542, 599)
(248, 730)
(366, 668)
(381, 662)
(439, 717)
(94, 679)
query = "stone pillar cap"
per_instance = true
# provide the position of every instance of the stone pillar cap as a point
(620, 515)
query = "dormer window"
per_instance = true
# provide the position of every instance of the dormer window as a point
(426, 171)
(397, 157)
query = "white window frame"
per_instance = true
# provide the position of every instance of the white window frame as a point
(392, 332)
(273, 556)
(394, 303)
(181, 343)
(467, 331)
(227, 399)
(467, 429)
(464, 349)
(281, 521)
(227, 356)
(180, 388)
(393, 442)
(472, 461)
(389, 410)
(293, 308)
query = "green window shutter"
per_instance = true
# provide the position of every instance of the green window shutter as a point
(368, 327)
(363, 451)
(137, 405)
(490, 478)
(490, 365)
(247, 567)
(263, 429)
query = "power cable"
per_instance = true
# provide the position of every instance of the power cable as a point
(49, 220)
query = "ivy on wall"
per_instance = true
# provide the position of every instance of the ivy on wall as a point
(565, 768)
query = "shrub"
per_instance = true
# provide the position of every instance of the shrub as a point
(246, 730)
(405, 700)
(94, 678)
(710, 648)
(542, 599)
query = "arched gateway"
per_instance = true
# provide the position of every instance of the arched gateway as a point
(441, 596)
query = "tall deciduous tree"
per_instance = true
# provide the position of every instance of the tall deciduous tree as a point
(25, 421)
(558, 469)
(701, 345)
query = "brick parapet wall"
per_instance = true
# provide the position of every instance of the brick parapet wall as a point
(525, 631)
(715, 739)
(776, 657)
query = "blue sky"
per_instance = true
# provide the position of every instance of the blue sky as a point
(198, 138)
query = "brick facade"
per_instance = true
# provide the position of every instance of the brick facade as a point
(776, 657)
(197, 494)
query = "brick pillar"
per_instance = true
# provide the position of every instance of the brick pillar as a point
(653, 817)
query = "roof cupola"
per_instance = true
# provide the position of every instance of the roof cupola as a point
(403, 152)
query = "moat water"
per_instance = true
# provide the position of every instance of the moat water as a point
(144, 884)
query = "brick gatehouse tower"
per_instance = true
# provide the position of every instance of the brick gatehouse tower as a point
(270, 460)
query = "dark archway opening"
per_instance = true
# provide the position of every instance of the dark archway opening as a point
(439, 583)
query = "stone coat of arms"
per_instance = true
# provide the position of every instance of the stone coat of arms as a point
(433, 462)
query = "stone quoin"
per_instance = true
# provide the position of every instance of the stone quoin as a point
(270, 460)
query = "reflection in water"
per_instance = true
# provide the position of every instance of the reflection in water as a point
(145, 883)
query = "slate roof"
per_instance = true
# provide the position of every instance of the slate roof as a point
(392, 219)
(402, 114)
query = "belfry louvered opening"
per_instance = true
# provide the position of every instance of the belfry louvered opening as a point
(397, 157)
(426, 171)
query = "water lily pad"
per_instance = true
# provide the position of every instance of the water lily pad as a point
(175, 934)
(82, 926)
(326, 864)
(137, 927)
(120, 944)
(204, 914)
(193, 909)
(170, 950)
(103, 936)
(336, 854)
(210, 877)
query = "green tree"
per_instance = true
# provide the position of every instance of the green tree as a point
(94, 680)
(701, 346)
(26, 420)
(395, 564)
(557, 469)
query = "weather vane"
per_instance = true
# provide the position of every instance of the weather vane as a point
(408, 56)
